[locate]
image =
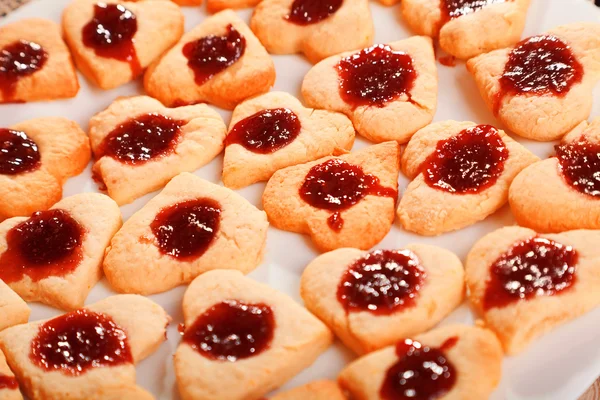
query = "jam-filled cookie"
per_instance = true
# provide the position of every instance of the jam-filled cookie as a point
(318, 29)
(373, 299)
(345, 201)
(525, 284)
(37, 157)
(55, 256)
(128, 391)
(389, 91)
(242, 338)
(191, 227)
(73, 355)
(139, 144)
(449, 363)
(13, 309)
(318, 390)
(461, 173)
(467, 28)
(114, 41)
(542, 87)
(35, 63)
(219, 62)
(275, 131)
(562, 193)
(219, 5)
(9, 386)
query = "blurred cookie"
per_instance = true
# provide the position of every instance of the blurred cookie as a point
(219, 5)
(13, 310)
(9, 387)
(318, 390)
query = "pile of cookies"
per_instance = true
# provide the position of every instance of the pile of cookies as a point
(242, 339)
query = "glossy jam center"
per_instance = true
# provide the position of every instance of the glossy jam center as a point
(78, 341)
(231, 330)
(186, 230)
(381, 282)
(533, 267)
(8, 382)
(17, 60)
(421, 372)
(142, 138)
(375, 76)
(212, 54)
(306, 12)
(266, 131)
(580, 166)
(457, 8)
(47, 244)
(468, 162)
(18, 153)
(110, 33)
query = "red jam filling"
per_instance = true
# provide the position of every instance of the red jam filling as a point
(18, 153)
(580, 166)
(17, 60)
(457, 8)
(231, 331)
(8, 382)
(306, 12)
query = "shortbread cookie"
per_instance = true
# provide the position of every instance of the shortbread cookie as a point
(220, 62)
(242, 338)
(35, 63)
(37, 157)
(373, 299)
(525, 284)
(461, 173)
(191, 227)
(318, 390)
(107, 339)
(542, 88)
(388, 91)
(562, 193)
(467, 28)
(55, 256)
(318, 29)
(345, 201)
(13, 310)
(114, 41)
(455, 362)
(219, 5)
(139, 144)
(9, 387)
(275, 131)
(128, 391)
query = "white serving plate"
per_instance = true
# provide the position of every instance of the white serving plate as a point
(559, 366)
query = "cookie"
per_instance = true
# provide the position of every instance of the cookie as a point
(274, 131)
(9, 387)
(373, 299)
(55, 256)
(456, 362)
(128, 391)
(37, 157)
(139, 144)
(220, 62)
(191, 227)
(107, 338)
(318, 390)
(13, 310)
(35, 63)
(345, 201)
(460, 175)
(317, 29)
(542, 88)
(525, 284)
(467, 28)
(389, 102)
(563, 192)
(219, 5)
(114, 41)
(242, 338)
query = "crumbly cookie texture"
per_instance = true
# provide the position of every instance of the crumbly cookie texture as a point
(547, 117)
(298, 339)
(144, 323)
(219, 5)
(396, 120)
(492, 27)
(541, 199)
(56, 79)
(317, 390)
(322, 133)
(13, 309)
(349, 28)
(363, 331)
(100, 218)
(8, 393)
(519, 323)
(365, 223)
(200, 140)
(121, 392)
(430, 211)
(171, 81)
(476, 357)
(64, 152)
(159, 27)
(134, 263)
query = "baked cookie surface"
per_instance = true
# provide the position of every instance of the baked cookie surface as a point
(9, 386)
(318, 390)
(13, 309)
(219, 5)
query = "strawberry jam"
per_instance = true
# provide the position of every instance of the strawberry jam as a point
(18, 153)
(8, 382)
(457, 8)
(17, 60)
(580, 166)
(307, 12)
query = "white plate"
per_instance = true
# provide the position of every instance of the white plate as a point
(559, 366)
